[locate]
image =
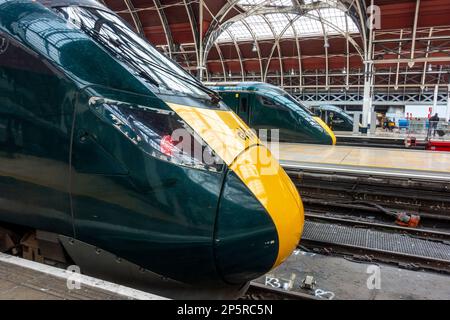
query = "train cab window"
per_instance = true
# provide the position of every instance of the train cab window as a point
(243, 106)
(268, 102)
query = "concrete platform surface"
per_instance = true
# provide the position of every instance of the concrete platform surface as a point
(338, 278)
(364, 157)
(26, 280)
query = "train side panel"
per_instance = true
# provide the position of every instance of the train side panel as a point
(36, 117)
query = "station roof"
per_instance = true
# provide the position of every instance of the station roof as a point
(272, 36)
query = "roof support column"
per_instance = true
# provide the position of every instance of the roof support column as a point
(201, 66)
(425, 64)
(194, 27)
(367, 100)
(397, 74)
(135, 17)
(413, 45)
(368, 81)
(165, 25)
(219, 51)
(447, 116)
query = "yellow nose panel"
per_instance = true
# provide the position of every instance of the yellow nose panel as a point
(224, 131)
(327, 129)
(270, 184)
(240, 149)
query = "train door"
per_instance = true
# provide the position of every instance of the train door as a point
(244, 107)
(36, 116)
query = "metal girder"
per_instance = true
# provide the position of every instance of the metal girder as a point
(284, 57)
(236, 45)
(425, 65)
(400, 40)
(347, 48)
(217, 26)
(416, 60)
(135, 17)
(381, 98)
(194, 27)
(325, 46)
(362, 22)
(398, 58)
(290, 25)
(413, 45)
(201, 63)
(275, 46)
(165, 25)
(219, 52)
(299, 53)
(214, 30)
(258, 49)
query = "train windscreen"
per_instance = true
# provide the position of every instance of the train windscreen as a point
(303, 107)
(109, 31)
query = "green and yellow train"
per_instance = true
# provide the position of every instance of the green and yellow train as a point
(113, 153)
(266, 107)
(336, 118)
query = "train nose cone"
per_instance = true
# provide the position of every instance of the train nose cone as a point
(330, 134)
(260, 218)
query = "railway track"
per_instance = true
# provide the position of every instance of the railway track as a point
(421, 194)
(358, 221)
(410, 248)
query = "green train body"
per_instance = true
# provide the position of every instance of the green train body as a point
(264, 106)
(86, 153)
(336, 118)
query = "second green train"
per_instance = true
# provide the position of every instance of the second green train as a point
(264, 106)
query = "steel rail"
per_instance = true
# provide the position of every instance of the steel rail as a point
(422, 233)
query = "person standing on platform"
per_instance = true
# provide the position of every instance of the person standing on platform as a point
(434, 121)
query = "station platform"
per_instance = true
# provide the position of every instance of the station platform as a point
(395, 136)
(341, 278)
(387, 139)
(374, 161)
(27, 280)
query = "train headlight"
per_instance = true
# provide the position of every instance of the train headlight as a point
(160, 133)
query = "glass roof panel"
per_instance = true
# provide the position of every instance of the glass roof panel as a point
(280, 22)
(307, 26)
(260, 27)
(239, 32)
(337, 18)
(271, 25)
